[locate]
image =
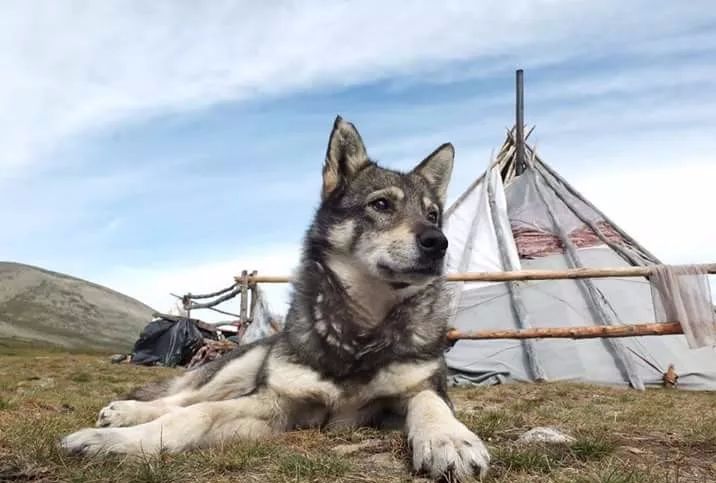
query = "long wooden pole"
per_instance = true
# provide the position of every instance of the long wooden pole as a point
(520, 122)
(587, 332)
(521, 275)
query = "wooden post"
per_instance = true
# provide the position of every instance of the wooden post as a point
(186, 303)
(243, 318)
(254, 295)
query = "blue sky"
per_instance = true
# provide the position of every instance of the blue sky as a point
(166, 147)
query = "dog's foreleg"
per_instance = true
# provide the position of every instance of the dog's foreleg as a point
(198, 426)
(235, 379)
(119, 414)
(441, 445)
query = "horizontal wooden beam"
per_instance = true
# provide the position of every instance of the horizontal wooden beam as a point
(521, 275)
(587, 332)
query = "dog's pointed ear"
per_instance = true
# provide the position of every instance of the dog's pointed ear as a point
(345, 156)
(437, 168)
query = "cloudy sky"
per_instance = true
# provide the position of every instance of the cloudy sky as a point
(164, 146)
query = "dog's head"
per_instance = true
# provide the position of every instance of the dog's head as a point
(383, 222)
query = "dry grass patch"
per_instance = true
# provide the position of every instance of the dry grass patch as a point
(621, 436)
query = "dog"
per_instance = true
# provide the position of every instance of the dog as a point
(363, 342)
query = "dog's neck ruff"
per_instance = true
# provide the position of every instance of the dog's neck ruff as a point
(326, 327)
(369, 298)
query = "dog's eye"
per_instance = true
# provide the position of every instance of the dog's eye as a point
(432, 216)
(381, 204)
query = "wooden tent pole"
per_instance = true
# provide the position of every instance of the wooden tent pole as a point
(520, 275)
(244, 281)
(519, 309)
(587, 332)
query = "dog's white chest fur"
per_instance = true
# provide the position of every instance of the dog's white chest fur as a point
(309, 399)
(298, 382)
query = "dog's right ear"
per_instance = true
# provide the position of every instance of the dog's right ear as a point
(346, 156)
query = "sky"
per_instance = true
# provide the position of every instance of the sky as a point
(159, 147)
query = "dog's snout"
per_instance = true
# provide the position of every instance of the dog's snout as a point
(432, 243)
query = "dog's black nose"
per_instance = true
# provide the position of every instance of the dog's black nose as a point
(432, 243)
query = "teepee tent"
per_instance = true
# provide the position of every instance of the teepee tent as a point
(521, 215)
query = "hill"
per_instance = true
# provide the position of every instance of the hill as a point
(56, 309)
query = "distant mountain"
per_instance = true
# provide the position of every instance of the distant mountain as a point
(56, 309)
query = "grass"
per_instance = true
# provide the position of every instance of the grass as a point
(298, 467)
(622, 436)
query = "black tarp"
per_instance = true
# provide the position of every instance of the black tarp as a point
(167, 342)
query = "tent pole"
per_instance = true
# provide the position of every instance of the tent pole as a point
(592, 296)
(519, 309)
(520, 123)
(586, 201)
(628, 257)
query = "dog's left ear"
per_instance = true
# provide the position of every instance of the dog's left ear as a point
(437, 168)
(346, 155)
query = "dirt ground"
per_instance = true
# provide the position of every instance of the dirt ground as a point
(621, 435)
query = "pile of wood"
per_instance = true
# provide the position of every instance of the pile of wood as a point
(212, 349)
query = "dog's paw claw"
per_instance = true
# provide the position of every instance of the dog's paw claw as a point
(118, 414)
(454, 454)
(86, 442)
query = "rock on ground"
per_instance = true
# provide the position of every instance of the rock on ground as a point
(545, 435)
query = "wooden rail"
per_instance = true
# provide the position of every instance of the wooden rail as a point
(587, 332)
(520, 275)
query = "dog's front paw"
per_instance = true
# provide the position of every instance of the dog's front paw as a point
(450, 452)
(92, 442)
(121, 413)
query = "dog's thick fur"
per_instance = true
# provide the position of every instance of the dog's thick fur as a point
(364, 337)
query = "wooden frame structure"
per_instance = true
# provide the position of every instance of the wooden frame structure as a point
(586, 332)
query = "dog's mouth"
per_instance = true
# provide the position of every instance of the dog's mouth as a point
(400, 278)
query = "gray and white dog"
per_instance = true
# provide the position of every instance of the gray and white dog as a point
(363, 342)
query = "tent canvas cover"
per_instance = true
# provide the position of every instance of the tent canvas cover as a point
(523, 217)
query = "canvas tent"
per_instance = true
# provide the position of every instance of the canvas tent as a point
(521, 215)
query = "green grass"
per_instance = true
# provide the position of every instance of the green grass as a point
(81, 377)
(298, 467)
(622, 436)
(491, 422)
(615, 472)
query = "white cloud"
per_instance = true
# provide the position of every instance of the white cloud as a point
(70, 68)
(73, 67)
(153, 285)
(668, 209)
(665, 208)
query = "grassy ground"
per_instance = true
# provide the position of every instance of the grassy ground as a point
(622, 436)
